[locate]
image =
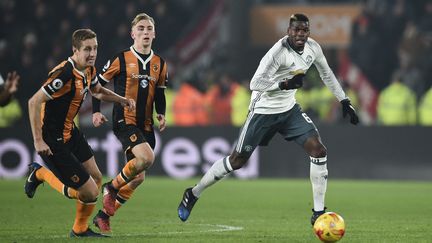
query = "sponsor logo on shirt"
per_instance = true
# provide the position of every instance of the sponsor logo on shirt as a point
(144, 83)
(143, 76)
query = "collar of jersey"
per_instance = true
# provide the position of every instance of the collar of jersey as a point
(285, 43)
(144, 63)
(73, 65)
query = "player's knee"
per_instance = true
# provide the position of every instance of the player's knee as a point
(89, 195)
(89, 191)
(315, 148)
(144, 160)
(318, 151)
(97, 177)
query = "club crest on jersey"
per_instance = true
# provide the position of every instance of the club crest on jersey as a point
(75, 179)
(309, 59)
(133, 138)
(155, 67)
(248, 148)
(57, 84)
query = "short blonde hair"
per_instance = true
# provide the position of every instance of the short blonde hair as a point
(140, 17)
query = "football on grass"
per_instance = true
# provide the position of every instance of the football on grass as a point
(329, 227)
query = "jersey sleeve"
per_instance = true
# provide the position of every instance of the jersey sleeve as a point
(163, 77)
(94, 79)
(58, 82)
(111, 69)
(263, 79)
(327, 74)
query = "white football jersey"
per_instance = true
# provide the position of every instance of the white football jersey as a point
(282, 62)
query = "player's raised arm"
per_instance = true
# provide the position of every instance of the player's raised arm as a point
(8, 88)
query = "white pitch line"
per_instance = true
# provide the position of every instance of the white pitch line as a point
(215, 228)
(221, 228)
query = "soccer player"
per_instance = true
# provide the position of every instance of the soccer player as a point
(58, 141)
(273, 109)
(139, 74)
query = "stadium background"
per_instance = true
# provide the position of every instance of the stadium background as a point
(213, 48)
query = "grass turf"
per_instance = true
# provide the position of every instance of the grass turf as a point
(263, 210)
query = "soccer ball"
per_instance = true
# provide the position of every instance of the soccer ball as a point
(329, 227)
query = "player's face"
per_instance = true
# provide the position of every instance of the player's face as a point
(298, 33)
(143, 33)
(85, 56)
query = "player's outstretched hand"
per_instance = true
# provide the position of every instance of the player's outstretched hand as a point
(162, 122)
(12, 81)
(295, 82)
(98, 119)
(347, 108)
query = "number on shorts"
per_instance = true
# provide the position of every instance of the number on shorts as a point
(307, 118)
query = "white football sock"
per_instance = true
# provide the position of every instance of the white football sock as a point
(318, 177)
(219, 170)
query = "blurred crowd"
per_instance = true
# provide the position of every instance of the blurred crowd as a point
(397, 36)
(35, 35)
(391, 44)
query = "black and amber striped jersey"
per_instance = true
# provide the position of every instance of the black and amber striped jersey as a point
(66, 87)
(136, 78)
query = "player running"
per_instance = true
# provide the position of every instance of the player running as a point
(73, 169)
(139, 74)
(273, 109)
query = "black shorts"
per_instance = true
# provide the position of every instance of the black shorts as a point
(130, 136)
(66, 161)
(259, 129)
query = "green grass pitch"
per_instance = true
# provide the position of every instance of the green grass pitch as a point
(262, 210)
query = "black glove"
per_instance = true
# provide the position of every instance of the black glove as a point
(347, 108)
(293, 83)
